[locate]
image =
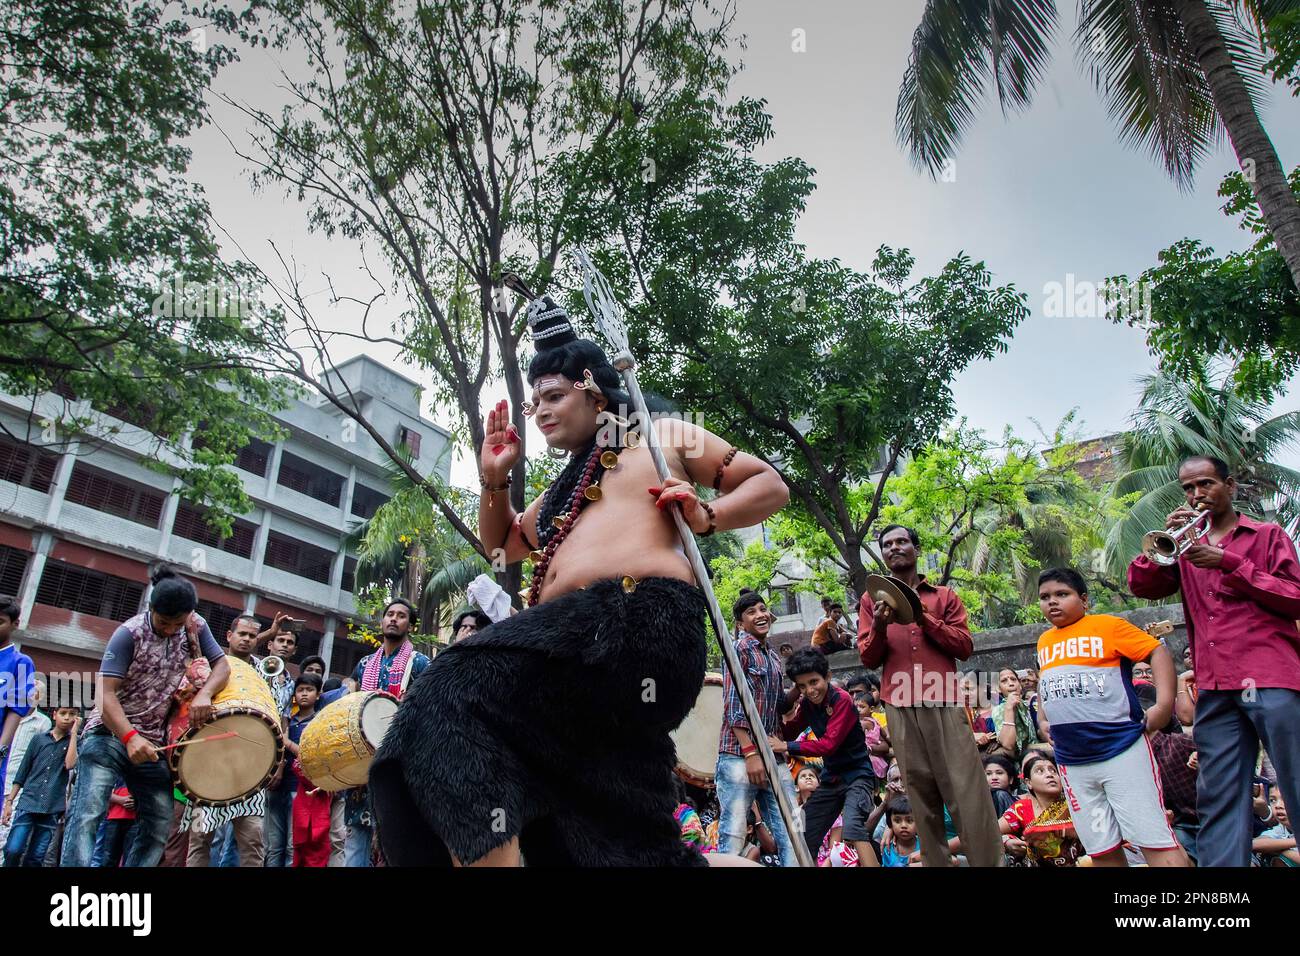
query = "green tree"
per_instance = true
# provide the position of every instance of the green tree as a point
(1202, 415)
(1174, 74)
(1242, 307)
(828, 374)
(98, 223)
(992, 515)
(464, 139)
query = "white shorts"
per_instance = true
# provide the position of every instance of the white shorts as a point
(1118, 799)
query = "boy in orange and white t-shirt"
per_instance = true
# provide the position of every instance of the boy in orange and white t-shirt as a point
(1098, 729)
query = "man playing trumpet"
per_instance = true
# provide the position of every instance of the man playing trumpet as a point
(1240, 587)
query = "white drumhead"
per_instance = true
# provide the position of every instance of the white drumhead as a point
(697, 737)
(376, 714)
(230, 768)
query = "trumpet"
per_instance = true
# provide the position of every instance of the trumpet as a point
(270, 666)
(1164, 547)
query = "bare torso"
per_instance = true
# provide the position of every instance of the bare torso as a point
(623, 533)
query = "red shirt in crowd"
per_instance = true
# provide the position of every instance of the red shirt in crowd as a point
(117, 811)
(919, 660)
(1241, 616)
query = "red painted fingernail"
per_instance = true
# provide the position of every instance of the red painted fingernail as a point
(654, 491)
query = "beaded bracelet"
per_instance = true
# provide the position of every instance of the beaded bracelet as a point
(717, 478)
(713, 519)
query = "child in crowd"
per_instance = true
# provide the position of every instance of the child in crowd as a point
(42, 781)
(115, 834)
(1044, 810)
(806, 784)
(1001, 775)
(848, 781)
(905, 849)
(17, 676)
(1276, 846)
(1097, 724)
(311, 807)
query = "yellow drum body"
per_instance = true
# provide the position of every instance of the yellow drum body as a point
(340, 742)
(225, 771)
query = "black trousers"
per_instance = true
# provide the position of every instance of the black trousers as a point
(830, 800)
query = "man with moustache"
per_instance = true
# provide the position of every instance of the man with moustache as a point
(927, 724)
(740, 776)
(392, 668)
(1240, 587)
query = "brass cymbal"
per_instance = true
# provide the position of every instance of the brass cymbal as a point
(905, 602)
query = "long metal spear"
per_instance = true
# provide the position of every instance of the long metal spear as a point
(609, 318)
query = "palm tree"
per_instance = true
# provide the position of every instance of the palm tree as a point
(1175, 74)
(1200, 415)
(411, 551)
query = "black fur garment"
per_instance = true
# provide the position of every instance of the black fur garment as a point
(552, 726)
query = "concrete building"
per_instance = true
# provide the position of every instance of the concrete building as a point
(81, 525)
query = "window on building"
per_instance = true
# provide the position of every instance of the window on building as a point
(310, 479)
(411, 439)
(783, 602)
(89, 592)
(349, 583)
(346, 655)
(27, 465)
(254, 457)
(309, 641)
(366, 501)
(12, 565)
(220, 618)
(191, 524)
(298, 557)
(103, 491)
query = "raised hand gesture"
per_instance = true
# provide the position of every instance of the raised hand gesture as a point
(501, 445)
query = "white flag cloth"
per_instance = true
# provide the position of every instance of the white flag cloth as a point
(490, 596)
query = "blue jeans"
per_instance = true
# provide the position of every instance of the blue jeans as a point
(101, 760)
(29, 838)
(1230, 726)
(735, 797)
(225, 849)
(356, 851)
(113, 838)
(279, 828)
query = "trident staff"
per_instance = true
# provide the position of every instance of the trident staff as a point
(609, 318)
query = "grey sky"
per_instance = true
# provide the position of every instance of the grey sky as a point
(1037, 196)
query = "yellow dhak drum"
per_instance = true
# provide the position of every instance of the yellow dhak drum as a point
(339, 743)
(222, 772)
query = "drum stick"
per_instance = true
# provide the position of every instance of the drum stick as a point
(199, 740)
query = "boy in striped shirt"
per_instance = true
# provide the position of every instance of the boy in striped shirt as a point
(1098, 728)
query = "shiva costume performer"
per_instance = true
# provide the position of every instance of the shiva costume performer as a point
(536, 727)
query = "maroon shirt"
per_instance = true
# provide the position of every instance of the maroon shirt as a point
(919, 660)
(1241, 616)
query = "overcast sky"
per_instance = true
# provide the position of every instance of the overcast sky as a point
(1038, 197)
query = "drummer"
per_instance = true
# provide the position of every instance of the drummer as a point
(144, 663)
(236, 833)
(392, 668)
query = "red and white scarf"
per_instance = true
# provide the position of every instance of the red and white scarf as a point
(396, 670)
